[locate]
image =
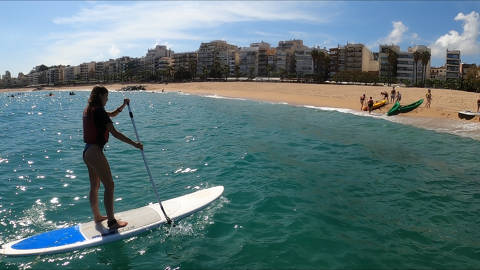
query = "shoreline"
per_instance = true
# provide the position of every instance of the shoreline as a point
(445, 103)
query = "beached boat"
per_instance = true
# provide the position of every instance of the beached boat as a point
(394, 109)
(467, 115)
(376, 105)
(403, 109)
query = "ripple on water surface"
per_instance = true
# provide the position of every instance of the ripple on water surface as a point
(304, 188)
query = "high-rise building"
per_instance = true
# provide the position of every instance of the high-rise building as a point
(404, 65)
(263, 66)
(303, 61)
(352, 57)
(217, 52)
(87, 71)
(248, 61)
(452, 64)
(153, 56)
(186, 61)
(285, 55)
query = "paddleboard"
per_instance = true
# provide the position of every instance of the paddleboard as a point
(467, 115)
(93, 234)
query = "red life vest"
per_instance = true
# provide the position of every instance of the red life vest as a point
(90, 130)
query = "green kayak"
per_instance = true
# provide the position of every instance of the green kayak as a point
(397, 108)
(394, 109)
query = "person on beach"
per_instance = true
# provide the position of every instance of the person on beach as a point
(370, 105)
(428, 95)
(385, 95)
(362, 101)
(478, 105)
(392, 94)
(96, 128)
(399, 96)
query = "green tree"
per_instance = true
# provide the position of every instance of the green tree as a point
(416, 57)
(425, 57)
(392, 61)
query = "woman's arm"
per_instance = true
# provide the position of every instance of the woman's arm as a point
(119, 109)
(122, 137)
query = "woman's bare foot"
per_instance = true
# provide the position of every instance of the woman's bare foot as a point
(114, 224)
(99, 219)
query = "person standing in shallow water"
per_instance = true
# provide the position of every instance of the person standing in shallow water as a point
(370, 105)
(96, 128)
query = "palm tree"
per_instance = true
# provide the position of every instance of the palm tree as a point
(315, 57)
(425, 56)
(416, 56)
(392, 61)
(320, 63)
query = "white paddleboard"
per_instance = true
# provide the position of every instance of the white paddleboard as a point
(93, 234)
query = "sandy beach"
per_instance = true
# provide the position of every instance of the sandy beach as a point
(445, 103)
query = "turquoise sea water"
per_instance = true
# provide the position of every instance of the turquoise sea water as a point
(304, 188)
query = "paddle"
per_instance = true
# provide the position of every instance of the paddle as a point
(148, 169)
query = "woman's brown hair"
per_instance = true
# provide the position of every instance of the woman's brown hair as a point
(94, 99)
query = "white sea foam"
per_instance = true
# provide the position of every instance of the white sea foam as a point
(222, 97)
(187, 170)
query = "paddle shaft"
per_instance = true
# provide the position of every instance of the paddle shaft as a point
(146, 166)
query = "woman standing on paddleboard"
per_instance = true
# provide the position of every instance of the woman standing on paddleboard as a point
(96, 128)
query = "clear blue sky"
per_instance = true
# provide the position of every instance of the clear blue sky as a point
(73, 32)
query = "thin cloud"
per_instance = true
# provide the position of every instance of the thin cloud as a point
(140, 23)
(467, 42)
(396, 35)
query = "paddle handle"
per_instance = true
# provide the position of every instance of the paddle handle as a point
(146, 166)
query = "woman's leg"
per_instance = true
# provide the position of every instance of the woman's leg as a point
(93, 196)
(97, 161)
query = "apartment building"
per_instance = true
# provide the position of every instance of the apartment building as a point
(53, 75)
(420, 66)
(352, 57)
(248, 61)
(100, 71)
(216, 52)
(438, 73)
(303, 61)
(404, 63)
(153, 56)
(452, 64)
(186, 61)
(263, 55)
(87, 71)
(285, 55)
(337, 60)
(468, 68)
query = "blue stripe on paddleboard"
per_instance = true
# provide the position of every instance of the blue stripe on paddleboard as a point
(54, 238)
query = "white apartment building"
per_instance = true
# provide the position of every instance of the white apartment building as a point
(285, 55)
(303, 61)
